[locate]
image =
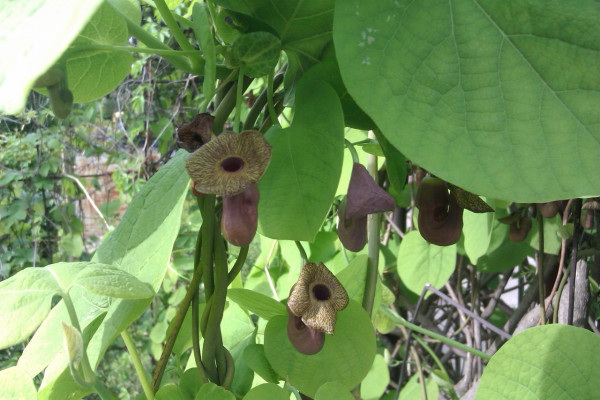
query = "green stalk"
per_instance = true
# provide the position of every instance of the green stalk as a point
(302, 252)
(212, 335)
(238, 101)
(178, 34)
(178, 319)
(239, 263)
(373, 243)
(270, 104)
(227, 105)
(540, 262)
(401, 321)
(88, 372)
(259, 103)
(206, 258)
(352, 151)
(137, 364)
(101, 390)
(152, 42)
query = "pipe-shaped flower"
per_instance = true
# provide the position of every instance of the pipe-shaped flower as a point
(304, 339)
(240, 216)
(228, 164)
(193, 135)
(317, 297)
(364, 197)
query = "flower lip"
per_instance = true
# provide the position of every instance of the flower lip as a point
(229, 163)
(232, 164)
(317, 297)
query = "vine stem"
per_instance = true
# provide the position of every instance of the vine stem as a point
(178, 33)
(238, 100)
(540, 263)
(352, 151)
(373, 243)
(270, 104)
(137, 364)
(401, 321)
(576, 223)
(155, 44)
(177, 321)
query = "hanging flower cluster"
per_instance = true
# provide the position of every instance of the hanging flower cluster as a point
(364, 197)
(312, 307)
(229, 166)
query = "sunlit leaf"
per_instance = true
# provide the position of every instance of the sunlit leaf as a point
(498, 97)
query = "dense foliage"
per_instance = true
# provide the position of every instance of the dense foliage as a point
(387, 199)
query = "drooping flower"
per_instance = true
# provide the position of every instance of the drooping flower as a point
(304, 339)
(193, 135)
(317, 297)
(240, 216)
(228, 164)
(364, 197)
(352, 232)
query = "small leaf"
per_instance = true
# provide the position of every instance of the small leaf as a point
(210, 391)
(257, 303)
(95, 73)
(256, 52)
(333, 390)
(268, 391)
(255, 358)
(376, 381)
(544, 362)
(110, 281)
(169, 392)
(420, 262)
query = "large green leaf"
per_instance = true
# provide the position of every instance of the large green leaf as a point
(94, 73)
(16, 384)
(304, 27)
(297, 190)
(27, 296)
(345, 358)
(33, 36)
(420, 262)
(140, 245)
(544, 362)
(498, 97)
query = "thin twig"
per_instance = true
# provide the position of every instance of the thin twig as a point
(87, 195)
(267, 262)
